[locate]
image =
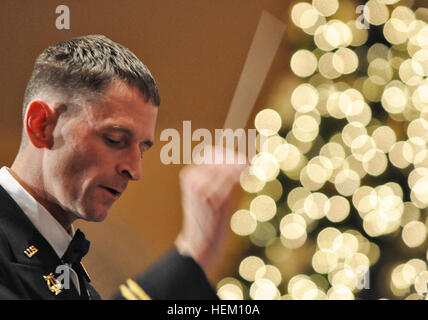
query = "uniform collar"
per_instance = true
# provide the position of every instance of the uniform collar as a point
(44, 222)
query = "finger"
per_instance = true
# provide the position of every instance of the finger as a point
(211, 183)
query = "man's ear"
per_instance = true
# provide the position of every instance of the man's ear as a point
(40, 121)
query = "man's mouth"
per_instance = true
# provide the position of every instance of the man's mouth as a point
(114, 192)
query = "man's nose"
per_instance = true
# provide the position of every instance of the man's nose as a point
(130, 166)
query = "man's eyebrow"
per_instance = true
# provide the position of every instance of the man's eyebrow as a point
(122, 129)
(148, 143)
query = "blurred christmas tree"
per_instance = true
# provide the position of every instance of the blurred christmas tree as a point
(339, 200)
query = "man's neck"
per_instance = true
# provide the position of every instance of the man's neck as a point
(64, 218)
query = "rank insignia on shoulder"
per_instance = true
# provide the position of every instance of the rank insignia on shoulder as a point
(132, 291)
(53, 284)
(31, 251)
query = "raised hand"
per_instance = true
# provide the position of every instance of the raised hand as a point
(206, 200)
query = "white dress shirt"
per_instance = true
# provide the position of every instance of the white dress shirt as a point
(45, 223)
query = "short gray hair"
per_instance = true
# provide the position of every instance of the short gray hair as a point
(87, 66)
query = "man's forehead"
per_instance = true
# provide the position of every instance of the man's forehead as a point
(133, 108)
(124, 108)
(121, 91)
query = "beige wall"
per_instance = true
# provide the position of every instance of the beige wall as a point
(196, 50)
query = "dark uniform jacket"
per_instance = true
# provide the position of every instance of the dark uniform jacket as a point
(28, 267)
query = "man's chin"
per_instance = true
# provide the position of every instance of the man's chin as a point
(94, 215)
(98, 218)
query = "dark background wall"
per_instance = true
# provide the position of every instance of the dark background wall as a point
(196, 51)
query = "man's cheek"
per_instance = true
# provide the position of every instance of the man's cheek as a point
(81, 161)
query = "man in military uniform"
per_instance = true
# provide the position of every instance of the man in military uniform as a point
(89, 115)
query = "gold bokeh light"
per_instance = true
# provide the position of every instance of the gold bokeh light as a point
(303, 63)
(346, 174)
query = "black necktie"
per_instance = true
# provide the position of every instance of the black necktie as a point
(77, 249)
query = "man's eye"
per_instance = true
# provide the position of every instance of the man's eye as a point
(112, 141)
